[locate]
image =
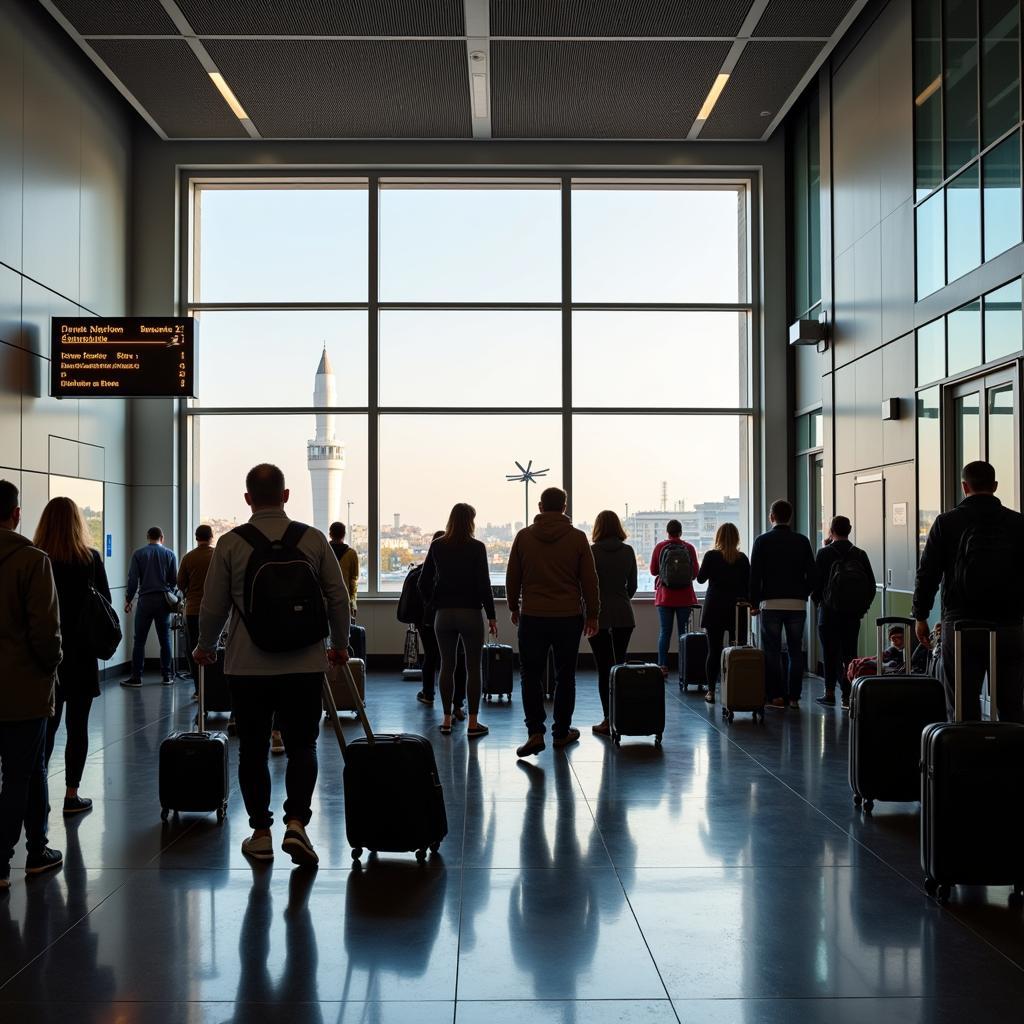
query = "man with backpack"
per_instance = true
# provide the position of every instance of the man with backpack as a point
(348, 559)
(976, 550)
(281, 585)
(844, 589)
(674, 567)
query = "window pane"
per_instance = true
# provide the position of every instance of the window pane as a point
(702, 472)
(817, 430)
(963, 224)
(427, 463)
(963, 338)
(960, 29)
(282, 245)
(814, 202)
(1000, 67)
(88, 496)
(1003, 321)
(801, 193)
(931, 269)
(657, 245)
(467, 358)
(931, 352)
(1001, 441)
(929, 475)
(967, 429)
(803, 437)
(1002, 197)
(927, 96)
(271, 358)
(470, 244)
(674, 359)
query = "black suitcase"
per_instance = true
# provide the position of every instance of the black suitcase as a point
(636, 701)
(496, 671)
(887, 714)
(194, 768)
(972, 829)
(393, 797)
(693, 658)
(357, 641)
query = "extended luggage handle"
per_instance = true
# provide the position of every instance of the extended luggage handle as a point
(908, 639)
(201, 717)
(973, 626)
(360, 707)
(750, 622)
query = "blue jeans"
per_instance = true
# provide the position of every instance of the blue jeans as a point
(24, 798)
(152, 610)
(666, 616)
(772, 625)
(537, 635)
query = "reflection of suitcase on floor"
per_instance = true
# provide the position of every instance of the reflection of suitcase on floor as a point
(742, 676)
(357, 641)
(393, 796)
(636, 701)
(972, 830)
(496, 671)
(887, 715)
(342, 691)
(194, 768)
(693, 657)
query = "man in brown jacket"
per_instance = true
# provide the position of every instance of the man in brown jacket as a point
(191, 580)
(30, 652)
(554, 598)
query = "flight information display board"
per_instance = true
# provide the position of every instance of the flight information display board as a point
(122, 357)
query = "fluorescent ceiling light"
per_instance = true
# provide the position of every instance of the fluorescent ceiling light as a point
(478, 83)
(709, 103)
(928, 90)
(229, 97)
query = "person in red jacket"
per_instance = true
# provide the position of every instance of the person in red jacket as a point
(673, 596)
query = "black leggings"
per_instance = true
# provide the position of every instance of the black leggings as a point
(716, 642)
(77, 747)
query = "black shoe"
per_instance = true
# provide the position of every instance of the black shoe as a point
(572, 736)
(826, 700)
(846, 703)
(45, 860)
(423, 698)
(77, 804)
(534, 745)
(167, 680)
(132, 683)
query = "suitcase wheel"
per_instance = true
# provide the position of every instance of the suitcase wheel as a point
(164, 813)
(857, 803)
(434, 847)
(1017, 896)
(869, 805)
(222, 813)
(942, 893)
(657, 740)
(728, 715)
(357, 852)
(421, 855)
(617, 739)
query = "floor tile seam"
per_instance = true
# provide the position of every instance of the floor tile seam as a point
(462, 893)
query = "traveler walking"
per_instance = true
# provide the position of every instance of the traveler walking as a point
(281, 587)
(726, 571)
(976, 550)
(674, 568)
(30, 652)
(77, 568)
(554, 597)
(615, 562)
(348, 560)
(191, 580)
(456, 582)
(844, 588)
(781, 578)
(153, 574)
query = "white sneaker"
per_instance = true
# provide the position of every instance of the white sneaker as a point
(276, 743)
(258, 847)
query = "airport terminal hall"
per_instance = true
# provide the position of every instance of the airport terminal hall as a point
(511, 511)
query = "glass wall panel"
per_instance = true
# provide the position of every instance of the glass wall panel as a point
(963, 224)
(817, 430)
(931, 253)
(927, 96)
(803, 437)
(960, 82)
(929, 462)
(1001, 441)
(801, 236)
(1003, 321)
(967, 429)
(88, 496)
(1002, 196)
(814, 201)
(1000, 67)
(931, 352)
(963, 338)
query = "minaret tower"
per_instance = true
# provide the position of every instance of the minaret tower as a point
(325, 455)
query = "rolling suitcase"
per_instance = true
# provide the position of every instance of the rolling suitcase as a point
(972, 831)
(496, 671)
(742, 677)
(357, 641)
(693, 657)
(194, 768)
(636, 701)
(887, 714)
(342, 692)
(393, 797)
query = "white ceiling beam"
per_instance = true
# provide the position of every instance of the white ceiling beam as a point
(478, 61)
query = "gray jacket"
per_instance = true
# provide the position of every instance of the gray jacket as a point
(616, 575)
(30, 649)
(222, 597)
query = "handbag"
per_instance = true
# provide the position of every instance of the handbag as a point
(98, 625)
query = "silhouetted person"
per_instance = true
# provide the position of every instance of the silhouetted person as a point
(348, 559)
(153, 574)
(674, 568)
(191, 580)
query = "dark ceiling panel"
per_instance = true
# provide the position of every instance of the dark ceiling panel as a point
(807, 18)
(117, 17)
(617, 17)
(763, 80)
(325, 17)
(600, 90)
(167, 79)
(349, 89)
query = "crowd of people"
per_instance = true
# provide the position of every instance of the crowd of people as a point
(560, 586)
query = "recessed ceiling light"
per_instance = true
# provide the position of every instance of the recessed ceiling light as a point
(229, 97)
(712, 99)
(480, 92)
(766, 113)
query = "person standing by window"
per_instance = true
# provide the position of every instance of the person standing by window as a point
(726, 571)
(348, 560)
(674, 567)
(153, 574)
(191, 580)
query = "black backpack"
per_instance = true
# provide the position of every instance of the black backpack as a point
(283, 606)
(675, 567)
(97, 624)
(986, 554)
(410, 604)
(849, 588)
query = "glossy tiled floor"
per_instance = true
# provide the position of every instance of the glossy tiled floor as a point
(724, 878)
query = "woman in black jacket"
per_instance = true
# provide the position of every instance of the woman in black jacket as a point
(726, 571)
(64, 536)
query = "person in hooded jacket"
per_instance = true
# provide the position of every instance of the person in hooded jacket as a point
(615, 561)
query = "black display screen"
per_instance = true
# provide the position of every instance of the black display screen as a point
(122, 357)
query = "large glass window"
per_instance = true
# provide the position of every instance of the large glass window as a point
(1000, 67)
(1001, 182)
(931, 264)
(927, 95)
(1003, 322)
(929, 462)
(963, 338)
(963, 224)
(931, 352)
(960, 60)
(805, 164)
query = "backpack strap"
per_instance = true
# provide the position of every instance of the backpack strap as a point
(253, 536)
(293, 534)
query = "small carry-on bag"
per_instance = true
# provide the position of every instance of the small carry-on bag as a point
(887, 714)
(496, 671)
(194, 767)
(742, 677)
(343, 699)
(357, 641)
(411, 662)
(393, 797)
(636, 701)
(972, 831)
(693, 657)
